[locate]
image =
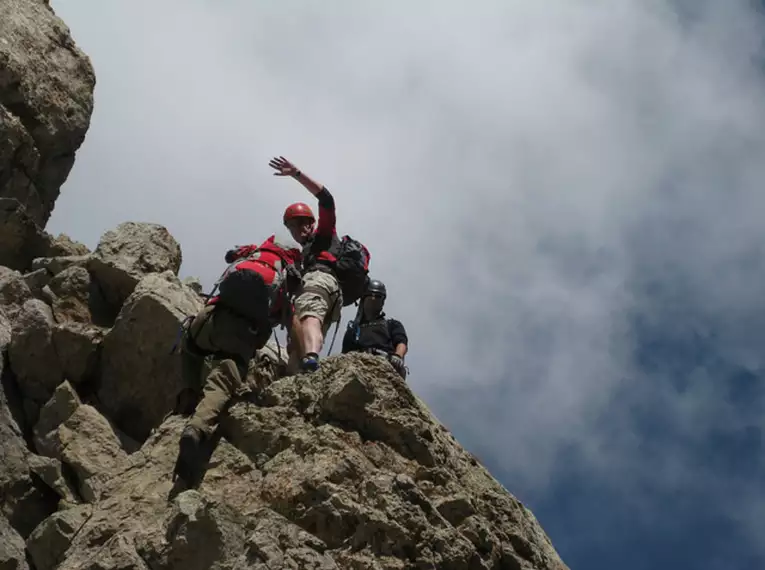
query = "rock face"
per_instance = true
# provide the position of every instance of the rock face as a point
(128, 253)
(46, 100)
(140, 378)
(24, 501)
(344, 468)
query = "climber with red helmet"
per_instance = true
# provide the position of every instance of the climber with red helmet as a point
(320, 300)
(300, 220)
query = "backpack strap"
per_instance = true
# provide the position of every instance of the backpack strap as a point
(337, 325)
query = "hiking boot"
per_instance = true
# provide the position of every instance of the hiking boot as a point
(310, 362)
(185, 466)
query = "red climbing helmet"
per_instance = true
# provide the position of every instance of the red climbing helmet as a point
(298, 210)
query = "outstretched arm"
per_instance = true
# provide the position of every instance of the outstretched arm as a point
(326, 225)
(284, 167)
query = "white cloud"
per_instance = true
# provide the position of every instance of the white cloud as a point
(515, 167)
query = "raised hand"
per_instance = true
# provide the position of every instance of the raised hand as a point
(283, 167)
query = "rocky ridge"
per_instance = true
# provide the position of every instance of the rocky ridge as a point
(345, 468)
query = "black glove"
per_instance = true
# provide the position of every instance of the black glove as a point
(230, 256)
(398, 364)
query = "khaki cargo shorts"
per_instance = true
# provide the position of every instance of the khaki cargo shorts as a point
(320, 296)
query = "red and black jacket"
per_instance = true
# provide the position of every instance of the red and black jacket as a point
(320, 252)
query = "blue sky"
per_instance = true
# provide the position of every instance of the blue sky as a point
(564, 199)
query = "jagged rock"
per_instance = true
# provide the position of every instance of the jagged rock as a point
(55, 412)
(49, 541)
(269, 363)
(21, 239)
(128, 253)
(300, 480)
(76, 297)
(32, 355)
(70, 290)
(194, 284)
(193, 520)
(12, 555)
(275, 542)
(56, 265)
(46, 100)
(5, 336)
(455, 509)
(79, 436)
(64, 246)
(36, 280)
(50, 472)
(88, 444)
(23, 499)
(140, 379)
(77, 346)
(14, 291)
(116, 552)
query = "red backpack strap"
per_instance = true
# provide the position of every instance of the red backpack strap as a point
(245, 251)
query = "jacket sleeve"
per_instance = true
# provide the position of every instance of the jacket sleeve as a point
(397, 333)
(326, 225)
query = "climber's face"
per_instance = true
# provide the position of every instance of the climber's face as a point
(301, 229)
(373, 305)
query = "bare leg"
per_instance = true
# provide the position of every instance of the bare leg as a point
(312, 335)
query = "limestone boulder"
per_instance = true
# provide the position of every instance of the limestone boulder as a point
(51, 539)
(21, 238)
(140, 377)
(76, 297)
(14, 292)
(12, 554)
(24, 499)
(194, 284)
(36, 280)
(32, 354)
(81, 438)
(78, 347)
(50, 471)
(56, 264)
(128, 253)
(64, 246)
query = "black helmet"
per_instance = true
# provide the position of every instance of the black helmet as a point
(375, 286)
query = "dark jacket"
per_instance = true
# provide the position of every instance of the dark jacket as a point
(381, 333)
(323, 244)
